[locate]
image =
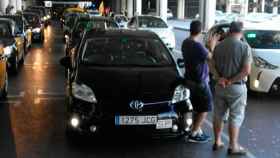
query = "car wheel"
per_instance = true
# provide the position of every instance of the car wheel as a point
(4, 91)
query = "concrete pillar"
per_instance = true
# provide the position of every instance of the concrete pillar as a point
(123, 6)
(255, 9)
(244, 9)
(228, 6)
(138, 7)
(14, 4)
(275, 7)
(3, 5)
(207, 10)
(163, 9)
(118, 6)
(181, 9)
(158, 7)
(130, 8)
(263, 6)
(19, 5)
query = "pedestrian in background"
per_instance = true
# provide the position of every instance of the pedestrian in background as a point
(197, 79)
(232, 60)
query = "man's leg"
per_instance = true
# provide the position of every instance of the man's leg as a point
(218, 129)
(233, 136)
(198, 121)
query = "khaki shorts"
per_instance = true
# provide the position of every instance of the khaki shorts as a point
(232, 99)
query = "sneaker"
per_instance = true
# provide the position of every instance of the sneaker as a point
(199, 138)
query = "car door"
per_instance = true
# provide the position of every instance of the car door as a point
(3, 68)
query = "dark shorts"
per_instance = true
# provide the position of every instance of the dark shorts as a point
(201, 97)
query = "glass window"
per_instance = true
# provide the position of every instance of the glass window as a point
(263, 39)
(126, 51)
(4, 30)
(151, 22)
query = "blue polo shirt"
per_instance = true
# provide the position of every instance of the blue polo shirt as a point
(195, 57)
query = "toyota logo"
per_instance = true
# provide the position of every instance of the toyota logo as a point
(136, 105)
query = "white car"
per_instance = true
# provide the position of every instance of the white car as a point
(121, 20)
(154, 24)
(265, 43)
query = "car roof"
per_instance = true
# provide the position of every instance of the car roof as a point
(265, 26)
(7, 20)
(120, 32)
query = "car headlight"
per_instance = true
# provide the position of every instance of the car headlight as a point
(36, 30)
(262, 63)
(48, 16)
(181, 93)
(8, 51)
(83, 92)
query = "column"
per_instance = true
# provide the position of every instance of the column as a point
(118, 6)
(123, 6)
(130, 8)
(244, 9)
(228, 6)
(158, 7)
(163, 9)
(275, 7)
(181, 9)
(255, 9)
(263, 6)
(138, 7)
(3, 5)
(19, 5)
(207, 13)
(14, 4)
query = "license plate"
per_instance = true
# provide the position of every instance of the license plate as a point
(164, 124)
(136, 120)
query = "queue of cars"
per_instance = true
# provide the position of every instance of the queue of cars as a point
(17, 33)
(123, 78)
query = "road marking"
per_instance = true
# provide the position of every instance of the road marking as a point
(225, 136)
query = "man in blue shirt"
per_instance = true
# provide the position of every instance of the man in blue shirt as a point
(197, 79)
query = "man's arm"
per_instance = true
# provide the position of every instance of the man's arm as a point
(244, 73)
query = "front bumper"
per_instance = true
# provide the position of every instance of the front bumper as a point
(97, 122)
(265, 80)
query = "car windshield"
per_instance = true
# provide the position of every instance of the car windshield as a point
(4, 30)
(126, 51)
(151, 22)
(260, 39)
(32, 19)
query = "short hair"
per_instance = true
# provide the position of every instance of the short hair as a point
(196, 27)
(236, 27)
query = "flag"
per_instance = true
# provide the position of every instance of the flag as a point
(101, 8)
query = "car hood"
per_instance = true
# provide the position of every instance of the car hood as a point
(270, 55)
(116, 87)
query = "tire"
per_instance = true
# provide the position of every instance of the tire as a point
(4, 91)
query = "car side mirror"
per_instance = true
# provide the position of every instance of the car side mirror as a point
(181, 63)
(66, 62)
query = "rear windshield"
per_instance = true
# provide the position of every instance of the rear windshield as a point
(152, 22)
(32, 19)
(4, 30)
(126, 51)
(260, 39)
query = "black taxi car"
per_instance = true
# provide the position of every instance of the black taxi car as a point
(36, 26)
(14, 43)
(125, 79)
(21, 29)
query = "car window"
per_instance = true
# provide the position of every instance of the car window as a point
(151, 22)
(4, 30)
(32, 19)
(132, 22)
(121, 19)
(124, 51)
(111, 24)
(263, 39)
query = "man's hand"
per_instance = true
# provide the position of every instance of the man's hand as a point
(223, 82)
(212, 42)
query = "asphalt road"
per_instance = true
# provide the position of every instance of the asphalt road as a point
(32, 119)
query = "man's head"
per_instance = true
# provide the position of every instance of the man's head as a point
(236, 29)
(195, 28)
